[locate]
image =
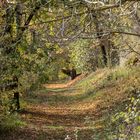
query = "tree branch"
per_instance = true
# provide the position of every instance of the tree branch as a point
(109, 32)
(127, 33)
(30, 17)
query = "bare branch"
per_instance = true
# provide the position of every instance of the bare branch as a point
(127, 33)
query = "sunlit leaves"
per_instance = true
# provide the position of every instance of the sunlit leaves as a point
(128, 121)
(82, 55)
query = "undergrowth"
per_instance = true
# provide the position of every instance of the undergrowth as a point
(11, 121)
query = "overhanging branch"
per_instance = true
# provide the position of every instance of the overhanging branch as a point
(108, 33)
(127, 33)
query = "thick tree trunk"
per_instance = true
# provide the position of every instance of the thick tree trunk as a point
(100, 37)
(109, 54)
(104, 54)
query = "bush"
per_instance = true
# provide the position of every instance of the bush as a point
(8, 122)
(127, 122)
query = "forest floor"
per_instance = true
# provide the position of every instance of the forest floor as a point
(78, 110)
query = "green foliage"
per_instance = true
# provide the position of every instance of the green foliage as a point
(8, 122)
(133, 61)
(119, 74)
(122, 121)
(29, 48)
(82, 55)
(127, 122)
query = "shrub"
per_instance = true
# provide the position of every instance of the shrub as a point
(127, 122)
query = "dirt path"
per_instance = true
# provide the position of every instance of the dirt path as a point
(55, 116)
(62, 111)
(80, 109)
(60, 114)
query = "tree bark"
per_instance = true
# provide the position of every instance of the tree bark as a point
(104, 54)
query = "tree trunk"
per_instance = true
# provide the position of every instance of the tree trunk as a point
(16, 93)
(16, 100)
(104, 54)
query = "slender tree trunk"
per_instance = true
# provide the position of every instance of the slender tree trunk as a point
(18, 15)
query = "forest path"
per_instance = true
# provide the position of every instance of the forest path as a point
(59, 111)
(82, 110)
(65, 109)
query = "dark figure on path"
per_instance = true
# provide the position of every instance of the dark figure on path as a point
(73, 74)
(70, 72)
